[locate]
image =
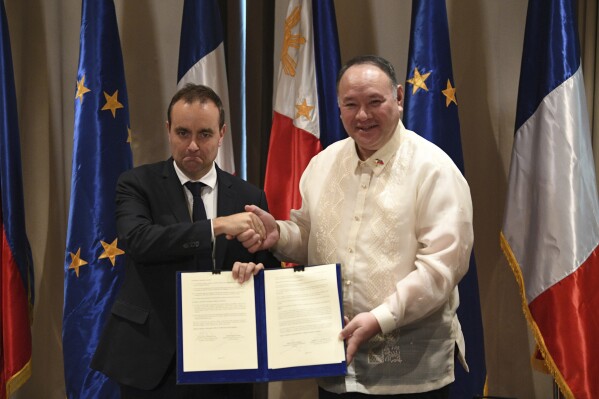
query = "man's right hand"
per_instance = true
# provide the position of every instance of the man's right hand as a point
(238, 223)
(272, 231)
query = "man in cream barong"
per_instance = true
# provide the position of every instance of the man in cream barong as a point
(396, 213)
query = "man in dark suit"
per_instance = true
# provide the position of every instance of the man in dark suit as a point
(154, 223)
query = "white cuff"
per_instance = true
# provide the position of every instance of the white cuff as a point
(385, 318)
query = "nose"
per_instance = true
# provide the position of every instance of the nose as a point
(193, 146)
(362, 114)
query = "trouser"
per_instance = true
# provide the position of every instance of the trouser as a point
(168, 389)
(442, 393)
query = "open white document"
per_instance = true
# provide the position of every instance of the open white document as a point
(281, 324)
(302, 317)
(219, 323)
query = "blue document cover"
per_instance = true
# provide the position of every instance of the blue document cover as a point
(286, 318)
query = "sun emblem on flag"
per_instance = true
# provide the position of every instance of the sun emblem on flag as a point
(291, 40)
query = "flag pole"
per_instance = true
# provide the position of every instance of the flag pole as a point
(557, 394)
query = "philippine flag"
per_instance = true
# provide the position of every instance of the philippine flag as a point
(306, 115)
(16, 262)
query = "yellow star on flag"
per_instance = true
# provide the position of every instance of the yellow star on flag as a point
(449, 94)
(76, 261)
(112, 103)
(81, 89)
(304, 110)
(418, 81)
(111, 251)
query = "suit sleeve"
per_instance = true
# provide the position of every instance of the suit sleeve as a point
(149, 230)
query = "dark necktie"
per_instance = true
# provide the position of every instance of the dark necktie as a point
(198, 211)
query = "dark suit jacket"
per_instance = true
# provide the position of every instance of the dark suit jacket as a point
(159, 239)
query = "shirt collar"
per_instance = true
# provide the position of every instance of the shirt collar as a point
(208, 179)
(383, 155)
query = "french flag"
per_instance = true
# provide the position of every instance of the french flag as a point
(306, 115)
(550, 231)
(202, 61)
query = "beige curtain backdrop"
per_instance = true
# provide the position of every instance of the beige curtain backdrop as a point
(588, 18)
(486, 38)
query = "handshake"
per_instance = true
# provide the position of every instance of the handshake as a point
(256, 229)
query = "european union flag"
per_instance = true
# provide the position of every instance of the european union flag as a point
(93, 263)
(431, 110)
(327, 61)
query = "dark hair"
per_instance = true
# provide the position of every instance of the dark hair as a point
(191, 93)
(375, 60)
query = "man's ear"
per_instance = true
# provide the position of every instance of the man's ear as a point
(222, 132)
(400, 97)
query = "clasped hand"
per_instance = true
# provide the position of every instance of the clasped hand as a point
(246, 224)
(270, 228)
(255, 229)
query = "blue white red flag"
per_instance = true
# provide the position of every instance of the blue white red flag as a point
(550, 232)
(202, 61)
(16, 275)
(94, 265)
(431, 110)
(305, 112)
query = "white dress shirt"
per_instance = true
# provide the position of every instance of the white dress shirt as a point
(209, 192)
(400, 225)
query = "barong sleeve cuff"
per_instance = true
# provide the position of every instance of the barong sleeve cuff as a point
(385, 318)
(283, 237)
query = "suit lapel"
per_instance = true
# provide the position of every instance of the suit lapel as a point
(176, 199)
(174, 192)
(225, 207)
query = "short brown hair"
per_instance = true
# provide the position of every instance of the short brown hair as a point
(191, 93)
